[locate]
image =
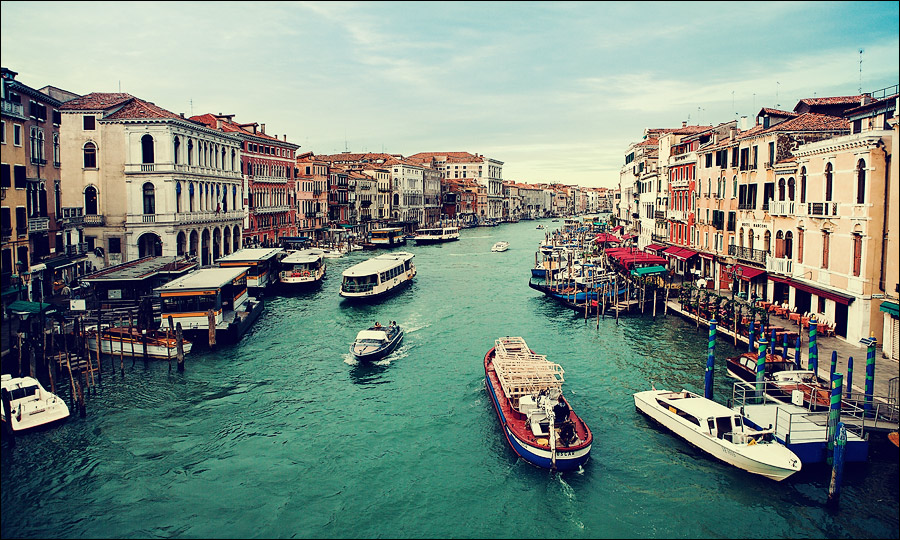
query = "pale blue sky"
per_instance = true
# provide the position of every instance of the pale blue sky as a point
(557, 91)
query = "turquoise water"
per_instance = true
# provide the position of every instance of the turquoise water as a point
(285, 435)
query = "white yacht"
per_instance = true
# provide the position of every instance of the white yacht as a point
(31, 405)
(500, 246)
(719, 431)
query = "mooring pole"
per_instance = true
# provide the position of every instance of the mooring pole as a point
(837, 466)
(710, 361)
(834, 414)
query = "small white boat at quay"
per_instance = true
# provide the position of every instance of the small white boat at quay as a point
(718, 431)
(500, 246)
(31, 406)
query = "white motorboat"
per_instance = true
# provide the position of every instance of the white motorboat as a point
(31, 406)
(719, 431)
(500, 246)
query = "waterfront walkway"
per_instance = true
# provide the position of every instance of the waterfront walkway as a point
(886, 369)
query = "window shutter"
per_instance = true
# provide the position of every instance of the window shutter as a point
(6, 176)
(20, 176)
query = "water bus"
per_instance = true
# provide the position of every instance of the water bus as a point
(388, 237)
(260, 262)
(302, 268)
(537, 421)
(378, 276)
(223, 291)
(436, 235)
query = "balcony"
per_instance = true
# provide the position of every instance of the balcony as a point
(94, 220)
(5, 234)
(782, 208)
(677, 215)
(38, 161)
(818, 209)
(38, 224)
(271, 209)
(13, 109)
(779, 265)
(171, 168)
(269, 179)
(659, 214)
(77, 249)
(747, 254)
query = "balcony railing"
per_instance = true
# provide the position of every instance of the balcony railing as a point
(779, 265)
(822, 209)
(179, 218)
(14, 109)
(77, 249)
(748, 254)
(271, 209)
(94, 220)
(137, 168)
(38, 161)
(782, 208)
(270, 179)
(38, 224)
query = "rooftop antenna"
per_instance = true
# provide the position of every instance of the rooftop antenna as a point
(732, 103)
(120, 83)
(777, 85)
(192, 106)
(861, 51)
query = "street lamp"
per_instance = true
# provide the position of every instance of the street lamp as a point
(736, 273)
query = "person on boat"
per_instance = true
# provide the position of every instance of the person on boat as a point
(377, 324)
(561, 410)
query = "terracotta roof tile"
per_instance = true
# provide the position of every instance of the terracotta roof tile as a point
(138, 108)
(834, 100)
(776, 112)
(96, 101)
(812, 122)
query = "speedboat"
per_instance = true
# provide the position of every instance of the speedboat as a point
(130, 340)
(719, 431)
(376, 342)
(500, 246)
(31, 406)
(537, 421)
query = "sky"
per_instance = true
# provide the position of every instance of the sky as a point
(557, 91)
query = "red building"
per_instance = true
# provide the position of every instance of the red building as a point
(270, 191)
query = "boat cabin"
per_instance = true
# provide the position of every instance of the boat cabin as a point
(710, 418)
(189, 298)
(259, 262)
(378, 275)
(390, 236)
(436, 234)
(744, 366)
(304, 266)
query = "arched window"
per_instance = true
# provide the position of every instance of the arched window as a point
(149, 199)
(767, 242)
(177, 145)
(190, 153)
(750, 240)
(741, 237)
(829, 183)
(177, 196)
(191, 196)
(147, 149)
(779, 245)
(781, 186)
(56, 158)
(803, 184)
(790, 187)
(788, 244)
(57, 194)
(90, 201)
(860, 182)
(734, 189)
(90, 155)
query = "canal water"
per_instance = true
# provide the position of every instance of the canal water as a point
(285, 435)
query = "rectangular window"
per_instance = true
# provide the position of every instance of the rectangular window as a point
(88, 123)
(826, 240)
(5, 175)
(771, 154)
(57, 117)
(19, 171)
(17, 134)
(115, 245)
(821, 304)
(800, 246)
(857, 254)
(21, 221)
(3, 132)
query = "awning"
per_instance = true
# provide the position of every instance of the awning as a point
(890, 307)
(648, 270)
(709, 256)
(746, 273)
(606, 238)
(679, 252)
(654, 247)
(835, 296)
(24, 307)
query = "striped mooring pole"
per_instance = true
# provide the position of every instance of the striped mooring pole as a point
(784, 347)
(761, 369)
(813, 349)
(833, 365)
(797, 355)
(849, 377)
(834, 413)
(870, 377)
(837, 466)
(773, 342)
(710, 361)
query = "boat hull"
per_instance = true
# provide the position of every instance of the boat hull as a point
(115, 347)
(567, 458)
(743, 457)
(34, 411)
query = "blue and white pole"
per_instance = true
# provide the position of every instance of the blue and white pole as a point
(837, 468)
(834, 413)
(870, 377)
(813, 348)
(761, 369)
(797, 351)
(833, 365)
(750, 333)
(849, 377)
(710, 361)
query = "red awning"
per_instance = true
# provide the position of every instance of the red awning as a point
(671, 250)
(628, 237)
(653, 247)
(685, 254)
(606, 238)
(709, 256)
(800, 286)
(746, 272)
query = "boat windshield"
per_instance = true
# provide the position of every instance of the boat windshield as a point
(357, 284)
(24, 392)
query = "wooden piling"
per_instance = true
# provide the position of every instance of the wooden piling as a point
(19, 337)
(121, 352)
(211, 316)
(179, 342)
(51, 358)
(654, 302)
(131, 333)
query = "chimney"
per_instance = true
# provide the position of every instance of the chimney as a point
(285, 137)
(865, 99)
(683, 123)
(744, 123)
(182, 114)
(262, 128)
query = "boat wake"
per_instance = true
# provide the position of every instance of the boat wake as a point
(349, 359)
(569, 494)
